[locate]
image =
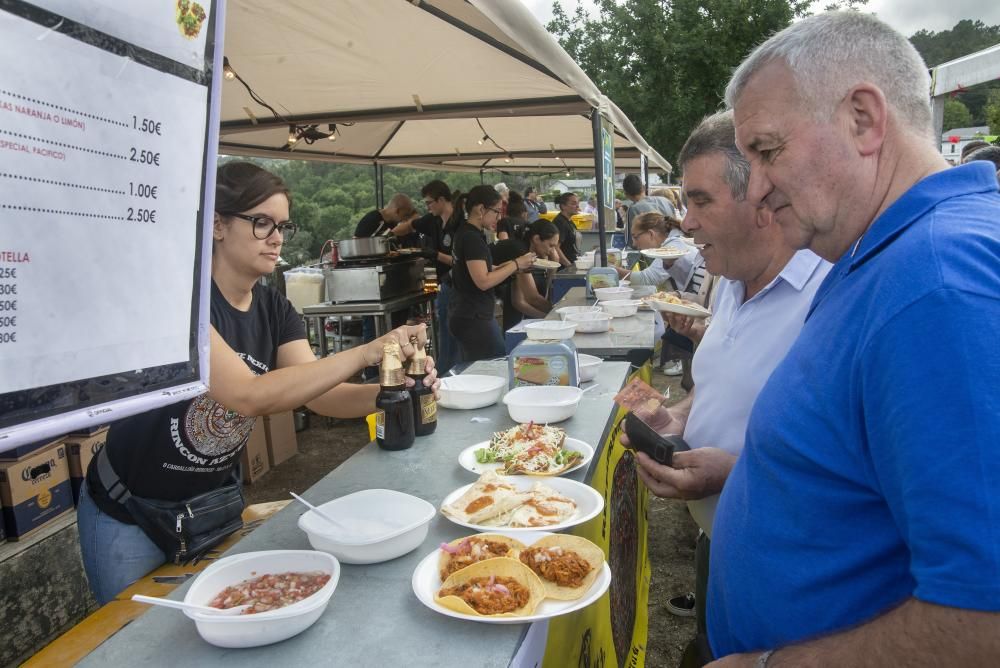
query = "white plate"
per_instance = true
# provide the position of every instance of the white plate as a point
(542, 263)
(427, 581)
(682, 309)
(668, 253)
(589, 503)
(467, 458)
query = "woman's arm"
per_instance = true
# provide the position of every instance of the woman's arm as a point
(233, 385)
(486, 279)
(522, 298)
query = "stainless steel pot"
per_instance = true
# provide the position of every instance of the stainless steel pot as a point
(364, 247)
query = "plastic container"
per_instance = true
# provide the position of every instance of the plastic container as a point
(589, 365)
(550, 330)
(470, 391)
(640, 291)
(614, 257)
(384, 524)
(609, 294)
(543, 363)
(601, 277)
(620, 308)
(305, 286)
(542, 404)
(266, 627)
(590, 323)
(566, 310)
(584, 262)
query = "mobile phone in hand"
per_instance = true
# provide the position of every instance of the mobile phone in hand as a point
(642, 438)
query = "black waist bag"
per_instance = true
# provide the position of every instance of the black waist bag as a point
(182, 529)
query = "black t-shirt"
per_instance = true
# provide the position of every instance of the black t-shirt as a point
(434, 234)
(567, 237)
(184, 449)
(372, 223)
(505, 251)
(468, 300)
(512, 226)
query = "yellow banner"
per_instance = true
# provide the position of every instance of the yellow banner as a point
(612, 631)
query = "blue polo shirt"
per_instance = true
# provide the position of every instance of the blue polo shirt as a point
(871, 471)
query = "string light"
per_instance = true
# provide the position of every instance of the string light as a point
(227, 71)
(484, 139)
(293, 135)
(333, 132)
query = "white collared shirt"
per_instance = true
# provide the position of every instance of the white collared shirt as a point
(744, 343)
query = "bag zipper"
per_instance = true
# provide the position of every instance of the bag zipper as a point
(180, 537)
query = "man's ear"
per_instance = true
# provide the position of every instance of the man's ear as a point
(764, 217)
(868, 117)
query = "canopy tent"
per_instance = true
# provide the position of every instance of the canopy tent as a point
(444, 84)
(959, 74)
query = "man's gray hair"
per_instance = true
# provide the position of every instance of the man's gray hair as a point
(717, 134)
(829, 53)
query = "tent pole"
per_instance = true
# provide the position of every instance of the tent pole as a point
(379, 185)
(602, 205)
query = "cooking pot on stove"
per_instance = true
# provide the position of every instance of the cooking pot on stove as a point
(349, 249)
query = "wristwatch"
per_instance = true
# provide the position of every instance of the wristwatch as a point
(761, 661)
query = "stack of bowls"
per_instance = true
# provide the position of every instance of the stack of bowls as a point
(590, 322)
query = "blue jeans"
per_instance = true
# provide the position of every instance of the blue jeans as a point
(449, 353)
(115, 554)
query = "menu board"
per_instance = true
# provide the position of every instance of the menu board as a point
(108, 125)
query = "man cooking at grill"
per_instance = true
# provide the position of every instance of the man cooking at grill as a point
(379, 221)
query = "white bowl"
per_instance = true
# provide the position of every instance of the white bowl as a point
(589, 323)
(640, 291)
(607, 294)
(621, 308)
(543, 404)
(549, 330)
(470, 391)
(564, 311)
(584, 262)
(383, 524)
(266, 627)
(588, 365)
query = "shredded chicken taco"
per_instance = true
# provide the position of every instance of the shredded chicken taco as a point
(464, 552)
(566, 565)
(500, 587)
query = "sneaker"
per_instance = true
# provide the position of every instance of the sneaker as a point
(673, 368)
(682, 606)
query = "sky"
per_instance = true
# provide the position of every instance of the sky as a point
(906, 16)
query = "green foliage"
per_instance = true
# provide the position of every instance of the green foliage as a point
(965, 37)
(956, 115)
(992, 111)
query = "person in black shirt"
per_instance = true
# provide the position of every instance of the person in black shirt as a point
(569, 206)
(523, 295)
(512, 225)
(261, 364)
(438, 229)
(379, 221)
(470, 317)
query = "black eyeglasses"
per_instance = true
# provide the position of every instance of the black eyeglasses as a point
(496, 211)
(264, 226)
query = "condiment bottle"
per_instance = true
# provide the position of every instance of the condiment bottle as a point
(424, 405)
(394, 412)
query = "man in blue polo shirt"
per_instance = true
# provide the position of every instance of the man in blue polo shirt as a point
(861, 524)
(760, 305)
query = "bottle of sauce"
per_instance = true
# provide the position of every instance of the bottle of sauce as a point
(394, 411)
(424, 405)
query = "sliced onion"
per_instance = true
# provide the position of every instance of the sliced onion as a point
(449, 549)
(503, 590)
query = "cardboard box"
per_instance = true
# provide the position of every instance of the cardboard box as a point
(254, 458)
(282, 444)
(35, 490)
(81, 448)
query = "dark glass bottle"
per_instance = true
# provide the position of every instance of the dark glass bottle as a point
(424, 406)
(394, 412)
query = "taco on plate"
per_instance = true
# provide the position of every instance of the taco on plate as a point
(500, 587)
(567, 565)
(463, 552)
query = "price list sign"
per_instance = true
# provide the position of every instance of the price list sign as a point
(105, 153)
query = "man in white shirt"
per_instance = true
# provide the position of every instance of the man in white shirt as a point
(760, 305)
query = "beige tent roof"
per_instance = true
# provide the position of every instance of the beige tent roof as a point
(410, 83)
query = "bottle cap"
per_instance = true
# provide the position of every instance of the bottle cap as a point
(391, 372)
(417, 365)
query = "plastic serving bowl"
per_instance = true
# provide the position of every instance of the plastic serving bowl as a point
(589, 364)
(588, 323)
(640, 291)
(543, 404)
(470, 391)
(584, 262)
(566, 310)
(607, 294)
(266, 627)
(381, 524)
(621, 308)
(549, 330)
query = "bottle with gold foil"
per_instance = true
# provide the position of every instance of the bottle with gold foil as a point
(393, 407)
(424, 405)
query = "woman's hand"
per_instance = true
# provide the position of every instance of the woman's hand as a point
(622, 272)
(431, 379)
(373, 350)
(525, 261)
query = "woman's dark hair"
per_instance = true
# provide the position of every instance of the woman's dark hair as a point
(515, 206)
(436, 190)
(541, 228)
(563, 198)
(528, 191)
(485, 195)
(240, 186)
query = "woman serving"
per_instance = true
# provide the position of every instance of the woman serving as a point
(176, 457)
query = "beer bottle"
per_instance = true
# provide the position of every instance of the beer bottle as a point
(424, 405)
(393, 414)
